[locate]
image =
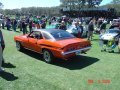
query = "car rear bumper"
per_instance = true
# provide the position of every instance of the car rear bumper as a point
(75, 51)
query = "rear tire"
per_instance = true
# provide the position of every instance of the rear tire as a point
(19, 46)
(47, 56)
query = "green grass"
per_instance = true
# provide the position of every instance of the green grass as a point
(27, 70)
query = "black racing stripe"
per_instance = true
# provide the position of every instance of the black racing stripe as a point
(46, 45)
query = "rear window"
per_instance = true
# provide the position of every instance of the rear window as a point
(46, 36)
(62, 35)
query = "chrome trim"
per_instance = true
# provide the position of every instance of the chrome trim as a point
(32, 50)
(65, 53)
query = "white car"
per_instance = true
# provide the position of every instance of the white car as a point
(116, 21)
(73, 30)
(111, 34)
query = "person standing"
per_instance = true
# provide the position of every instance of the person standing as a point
(2, 46)
(8, 24)
(43, 24)
(90, 30)
(14, 24)
(30, 26)
(62, 26)
(3, 22)
(24, 27)
(78, 29)
(81, 28)
(103, 27)
(20, 25)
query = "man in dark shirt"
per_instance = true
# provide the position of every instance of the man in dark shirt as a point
(90, 30)
(81, 27)
(30, 25)
(24, 27)
(63, 26)
(14, 25)
(2, 46)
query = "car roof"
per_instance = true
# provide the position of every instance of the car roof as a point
(49, 30)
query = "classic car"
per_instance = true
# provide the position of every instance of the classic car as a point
(110, 40)
(52, 43)
(111, 34)
(116, 21)
(71, 29)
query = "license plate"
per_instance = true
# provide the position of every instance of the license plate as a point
(78, 52)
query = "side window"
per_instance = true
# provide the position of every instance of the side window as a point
(46, 36)
(32, 35)
(36, 35)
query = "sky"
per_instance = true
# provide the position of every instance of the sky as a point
(13, 4)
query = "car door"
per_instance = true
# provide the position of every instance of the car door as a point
(33, 41)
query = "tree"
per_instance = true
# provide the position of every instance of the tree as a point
(78, 4)
(1, 5)
(115, 2)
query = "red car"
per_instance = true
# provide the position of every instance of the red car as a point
(52, 43)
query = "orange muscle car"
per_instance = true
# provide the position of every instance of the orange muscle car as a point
(52, 43)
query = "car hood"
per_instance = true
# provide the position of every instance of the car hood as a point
(108, 36)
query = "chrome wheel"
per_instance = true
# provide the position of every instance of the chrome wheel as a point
(18, 46)
(47, 56)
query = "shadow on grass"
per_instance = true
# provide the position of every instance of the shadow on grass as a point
(18, 31)
(8, 76)
(8, 65)
(78, 62)
(74, 63)
(32, 54)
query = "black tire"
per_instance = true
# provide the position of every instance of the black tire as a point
(47, 56)
(112, 51)
(19, 46)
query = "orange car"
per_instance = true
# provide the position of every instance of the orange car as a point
(52, 43)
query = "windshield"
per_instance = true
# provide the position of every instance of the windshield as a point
(62, 35)
(113, 31)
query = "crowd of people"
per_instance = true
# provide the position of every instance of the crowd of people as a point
(27, 24)
(37, 22)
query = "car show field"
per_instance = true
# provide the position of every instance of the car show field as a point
(60, 45)
(26, 70)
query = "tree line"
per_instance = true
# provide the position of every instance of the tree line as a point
(38, 11)
(55, 11)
